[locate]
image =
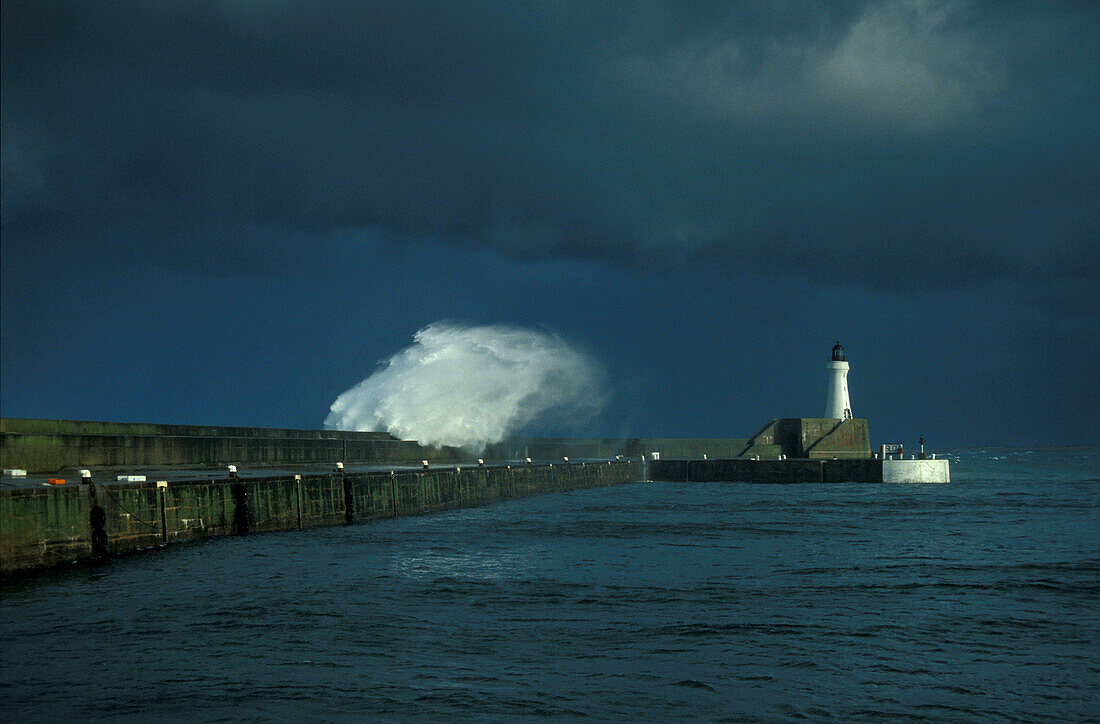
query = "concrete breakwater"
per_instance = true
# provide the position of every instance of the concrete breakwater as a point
(55, 445)
(852, 470)
(49, 446)
(52, 446)
(49, 526)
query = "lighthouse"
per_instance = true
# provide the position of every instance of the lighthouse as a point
(837, 404)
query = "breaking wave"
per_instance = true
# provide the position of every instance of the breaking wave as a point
(468, 386)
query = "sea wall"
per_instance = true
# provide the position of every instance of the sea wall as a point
(555, 448)
(49, 446)
(47, 526)
(870, 470)
(55, 445)
(737, 470)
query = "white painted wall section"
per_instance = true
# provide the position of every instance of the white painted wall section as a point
(837, 404)
(916, 471)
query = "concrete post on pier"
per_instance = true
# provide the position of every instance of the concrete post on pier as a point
(349, 499)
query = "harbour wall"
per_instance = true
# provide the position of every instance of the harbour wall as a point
(53, 446)
(792, 437)
(48, 446)
(868, 470)
(47, 526)
(56, 445)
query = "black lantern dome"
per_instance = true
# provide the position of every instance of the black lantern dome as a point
(838, 353)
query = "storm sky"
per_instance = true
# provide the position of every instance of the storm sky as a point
(228, 213)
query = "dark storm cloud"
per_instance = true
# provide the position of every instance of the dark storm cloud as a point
(935, 143)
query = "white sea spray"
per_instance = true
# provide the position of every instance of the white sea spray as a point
(468, 386)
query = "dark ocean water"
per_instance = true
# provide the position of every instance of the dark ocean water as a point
(971, 601)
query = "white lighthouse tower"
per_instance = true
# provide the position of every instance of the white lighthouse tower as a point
(837, 404)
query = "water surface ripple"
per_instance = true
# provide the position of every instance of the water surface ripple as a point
(964, 602)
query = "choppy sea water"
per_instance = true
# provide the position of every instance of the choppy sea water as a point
(963, 602)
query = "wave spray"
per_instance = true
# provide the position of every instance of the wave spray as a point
(468, 386)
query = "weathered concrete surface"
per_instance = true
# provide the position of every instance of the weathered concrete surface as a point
(916, 471)
(133, 514)
(853, 471)
(737, 470)
(41, 527)
(846, 439)
(672, 447)
(47, 526)
(772, 471)
(553, 448)
(816, 438)
(33, 426)
(54, 445)
(199, 509)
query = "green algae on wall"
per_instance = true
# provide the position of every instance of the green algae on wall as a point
(47, 526)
